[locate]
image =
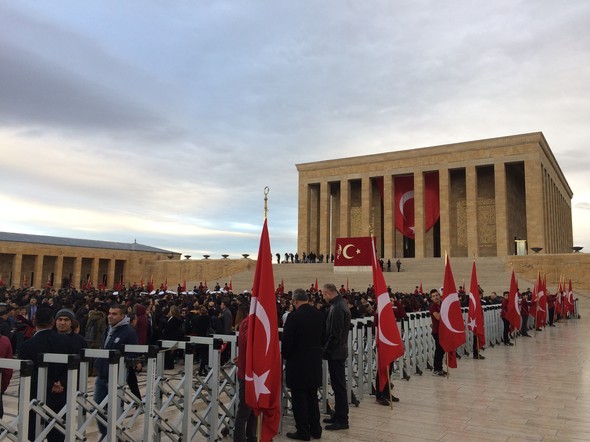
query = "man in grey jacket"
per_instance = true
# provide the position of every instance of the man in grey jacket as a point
(335, 351)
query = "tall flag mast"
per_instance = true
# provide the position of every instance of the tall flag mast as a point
(263, 359)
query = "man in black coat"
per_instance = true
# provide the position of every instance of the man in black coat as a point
(118, 334)
(335, 351)
(47, 340)
(302, 350)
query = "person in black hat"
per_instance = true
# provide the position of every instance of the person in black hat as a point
(64, 320)
(46, 340)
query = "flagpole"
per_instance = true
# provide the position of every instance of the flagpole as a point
(259, 428)
(266, 190)
(514, 337)
(389, 389)
(446, 353)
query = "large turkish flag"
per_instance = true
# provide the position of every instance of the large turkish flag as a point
(356, 251)
(475, 318)
(513, 313)
(452, 326)
(263, 358)
(404, 204)
(388, 340)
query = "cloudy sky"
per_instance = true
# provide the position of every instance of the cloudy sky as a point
(162, 122)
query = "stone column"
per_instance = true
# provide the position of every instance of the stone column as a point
(94, 272)
(335, 197)
(77, 277)
(303, 222)
(17, 268)
(345, 208)
(419, 213)
(314, 219)
(59, 268)
(111, 274)
(534, 205)
(324, 241)
(388, 227)
(552, 211)
(445, 219)
(501, 215)
(366, 207)
(39, 282)
(471, 203)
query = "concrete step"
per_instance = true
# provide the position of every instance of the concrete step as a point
(491, 273)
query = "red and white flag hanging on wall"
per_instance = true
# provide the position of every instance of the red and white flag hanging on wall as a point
(404, 203)
(403, 198)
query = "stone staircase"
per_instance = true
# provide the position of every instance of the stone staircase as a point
(491, 274)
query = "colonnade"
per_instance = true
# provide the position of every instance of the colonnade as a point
(484, 208)
(39, 270)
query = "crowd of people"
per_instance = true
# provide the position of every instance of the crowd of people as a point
(33, 321)
(199, 312)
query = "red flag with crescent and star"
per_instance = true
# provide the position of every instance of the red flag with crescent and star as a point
(565, 307)
(451, 327)
(534, 301)
(570, 295)
(513, 313)
(263, 358)
(572, 300)
(541, 317)
(388, 339)
(475, 320)
(403, 195)
(355, 251)
(403, 199)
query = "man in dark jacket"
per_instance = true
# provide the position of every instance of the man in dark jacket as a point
(63, 325)
(119, 333)
(46, 340)
(335, 351)
(302, 350)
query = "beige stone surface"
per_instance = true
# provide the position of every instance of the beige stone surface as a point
(531, 197)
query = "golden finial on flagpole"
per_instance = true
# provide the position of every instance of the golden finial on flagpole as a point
(266, 190)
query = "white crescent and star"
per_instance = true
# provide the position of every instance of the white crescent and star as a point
(541, 294)
(471, 323)
(444, 311)
(259, 383)
(382, 302)
(516, 305)
(402, 202)
(404, 199)
(345, 249)
(257, 309)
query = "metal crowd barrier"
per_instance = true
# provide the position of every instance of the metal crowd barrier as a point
(17, 429)
(185, 406)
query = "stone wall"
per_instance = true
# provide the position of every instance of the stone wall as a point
(570, 265)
